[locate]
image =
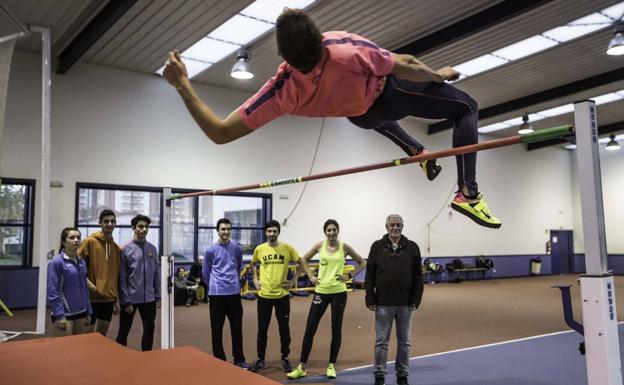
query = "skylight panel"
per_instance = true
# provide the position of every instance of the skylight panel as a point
(525, 47)
(535, 117)
(240, 30)
(593, 18)
(480, 64)
(607, 98)
(569, 32)
(578, 27)
(269, 10)
(614, 11)
(209, 50)
(514, 121)
(566, 108)
(493, 127)
(194, 67)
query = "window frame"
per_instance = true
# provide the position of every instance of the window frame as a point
(28, 223)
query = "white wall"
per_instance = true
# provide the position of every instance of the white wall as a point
(113, 126)
(612, 174)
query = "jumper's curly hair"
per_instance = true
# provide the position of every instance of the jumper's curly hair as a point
(299, 40)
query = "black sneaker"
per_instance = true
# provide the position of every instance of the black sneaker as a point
(380, 380)
(286, 365)
(258, 365)
(431, 168)
(402, 381)
(242, 364)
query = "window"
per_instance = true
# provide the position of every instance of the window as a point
(16, 222)
(193, 220)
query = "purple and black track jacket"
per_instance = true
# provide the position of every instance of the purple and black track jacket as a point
(67, 287)
(139, 274)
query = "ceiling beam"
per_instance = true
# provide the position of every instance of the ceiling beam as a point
(539, 97)
(471, 25)
(92, 32)
(602, 130)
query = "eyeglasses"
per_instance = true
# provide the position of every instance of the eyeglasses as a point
(399, 225)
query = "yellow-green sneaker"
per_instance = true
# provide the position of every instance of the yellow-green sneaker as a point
(475, 209)
(331, 371)
(297, 373)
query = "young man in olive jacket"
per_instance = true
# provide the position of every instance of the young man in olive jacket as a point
(394, 288)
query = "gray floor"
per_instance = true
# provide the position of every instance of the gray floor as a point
(543, 360)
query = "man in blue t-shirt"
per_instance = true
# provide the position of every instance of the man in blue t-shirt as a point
(223, 263)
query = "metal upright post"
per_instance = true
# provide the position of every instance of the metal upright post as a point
(44, 207)
(597, 288)
(167, 320)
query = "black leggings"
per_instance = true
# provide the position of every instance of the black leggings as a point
(401, 98)
(282, 313)
(319, 304)
(148, 317)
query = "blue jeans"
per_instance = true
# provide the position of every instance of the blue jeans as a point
(384, 316)
(401, 98)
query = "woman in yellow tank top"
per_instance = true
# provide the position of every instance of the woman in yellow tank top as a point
(331, 290)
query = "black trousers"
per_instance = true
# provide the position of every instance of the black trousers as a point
(147, 311)
(401, 98)
(282, 313)
(320, 302)
(230, 307)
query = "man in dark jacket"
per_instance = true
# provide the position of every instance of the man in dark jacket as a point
(196, 276)
(139, 284)
(394, 288)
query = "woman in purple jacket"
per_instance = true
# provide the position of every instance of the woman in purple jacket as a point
(68, 295)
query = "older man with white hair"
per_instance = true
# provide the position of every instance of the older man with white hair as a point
(394, 288)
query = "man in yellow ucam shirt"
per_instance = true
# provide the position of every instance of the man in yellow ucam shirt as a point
(272, 283)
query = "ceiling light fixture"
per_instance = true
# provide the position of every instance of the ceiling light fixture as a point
(242, 68)
(613, 144)
(525, 127)
(616, 45)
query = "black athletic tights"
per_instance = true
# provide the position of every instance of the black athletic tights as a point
(401, 98)
(319, 304)
(148, 318)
